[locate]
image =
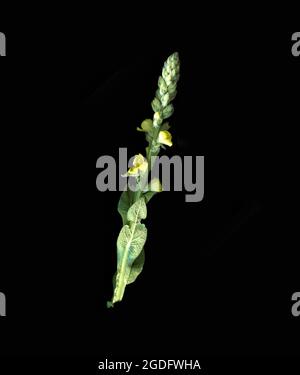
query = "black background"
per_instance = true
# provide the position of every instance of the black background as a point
(219, 274)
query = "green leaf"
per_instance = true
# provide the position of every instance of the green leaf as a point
(137, 267)
(137, 211)
(124, 238)
(130, 244)
(137, 242)
(124, 204)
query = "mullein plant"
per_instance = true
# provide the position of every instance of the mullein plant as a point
(133, 202)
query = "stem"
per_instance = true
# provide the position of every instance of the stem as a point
(137, 193)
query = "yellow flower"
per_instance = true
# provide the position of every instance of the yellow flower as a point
(140, 165)
(146, 125)
(155, 185)
(165, 138)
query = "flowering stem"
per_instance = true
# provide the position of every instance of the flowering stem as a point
(132, 203)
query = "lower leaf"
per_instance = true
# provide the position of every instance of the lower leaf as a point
(130, 244)
(137, 267)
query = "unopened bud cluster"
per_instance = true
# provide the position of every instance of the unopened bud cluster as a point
(166, 91)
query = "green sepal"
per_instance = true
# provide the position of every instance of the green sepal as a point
(168, 111)
(156, 105)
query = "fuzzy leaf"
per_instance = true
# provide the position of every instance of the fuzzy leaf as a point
(124, 204)
(137, 211)
(137, 267)
(130, 244)
(137, 243)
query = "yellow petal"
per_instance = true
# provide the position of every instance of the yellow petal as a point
(139, 164)
(165, 138)
(138, 160)
(155, 185)
(133, 171)
(143, 167)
